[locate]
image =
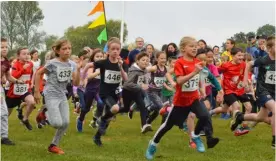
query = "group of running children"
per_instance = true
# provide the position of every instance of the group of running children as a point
(179, 89)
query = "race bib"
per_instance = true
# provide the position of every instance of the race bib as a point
(25, 77)
(191, 85)
(159, 81)
(112, 77)
(140, 80)
(64, 74)
(20, 89)
(270, 77)
(207, 82)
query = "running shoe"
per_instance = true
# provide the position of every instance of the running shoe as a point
(192, 144)
(27, 124)
(97, 141)
(7, 141)
(55, 149)
(199, 144)
(240, 131)
(212, 142)
(93, 124)
(150, 151)
(146, 128)
(236, 121)
(130, 114)
(79, 125)
(20, 113)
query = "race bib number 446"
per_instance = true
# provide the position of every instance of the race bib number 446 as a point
(270, 77)
(20, 89)
(191, 85)
(64, 73)
(112, 77)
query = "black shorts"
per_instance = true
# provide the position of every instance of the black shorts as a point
(110, 101)
(229, 99)
(14, 102)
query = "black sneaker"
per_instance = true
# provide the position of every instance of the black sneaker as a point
(236, 121)
(20, 113)
(130, 114)
(103, 124)
(39, 125)
(7, 141)
(97, 141)
(27, 124)
(212, 142)
(273, 145)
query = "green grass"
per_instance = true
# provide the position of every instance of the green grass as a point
(123, 142)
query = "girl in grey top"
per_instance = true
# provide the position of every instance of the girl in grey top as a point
(59, 72)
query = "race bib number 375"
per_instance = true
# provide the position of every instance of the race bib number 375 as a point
(64, 73)
(112, 77)
(270, 77)
(191, 85)
(20, 89)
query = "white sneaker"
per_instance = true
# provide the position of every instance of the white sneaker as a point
(146, 128)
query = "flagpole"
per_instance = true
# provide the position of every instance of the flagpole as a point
(105, 21)
(122, 24)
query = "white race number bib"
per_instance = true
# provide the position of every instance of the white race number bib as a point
(270, 77)
(159, 81)
(64, 74)
(191, 85)
(20, 89)
(112, 77)
(207, 82)
(140, 80)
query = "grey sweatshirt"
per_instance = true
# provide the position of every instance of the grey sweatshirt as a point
(136, 77)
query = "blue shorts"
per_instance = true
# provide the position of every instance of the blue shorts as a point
(263, 99)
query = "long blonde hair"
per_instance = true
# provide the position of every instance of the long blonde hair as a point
(185, 41)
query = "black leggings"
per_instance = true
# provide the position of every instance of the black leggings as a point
(179, 114)
(138, 98)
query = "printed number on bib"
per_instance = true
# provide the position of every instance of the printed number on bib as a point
(270, 77)
(64, 74)
(191, 85)
(112, 77)
(20, 89)
(207, 82)
(159, 81)
(140, 80)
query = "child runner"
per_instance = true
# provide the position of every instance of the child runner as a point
(112, 71)
(22, 69)
(232, 84)
(59, 72)
(5, 72)
(134, 88)
(265, 89)
(186, 99)
(92, 86)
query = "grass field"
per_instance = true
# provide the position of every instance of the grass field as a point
(123, 142)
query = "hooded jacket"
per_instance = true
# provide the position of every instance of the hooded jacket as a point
(136, 77)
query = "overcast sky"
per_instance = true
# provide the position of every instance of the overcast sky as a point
(164, 22)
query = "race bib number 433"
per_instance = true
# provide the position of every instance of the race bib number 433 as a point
(112, 77)
(191, 85)
(270, 77)
(20, 89)
(64, 73)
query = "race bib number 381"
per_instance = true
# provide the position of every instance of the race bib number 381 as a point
(270, 77)
(112, 77)
(191, 85)
(64, 73)
(20, 89)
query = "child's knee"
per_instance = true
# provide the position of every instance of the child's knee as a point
(115, 109)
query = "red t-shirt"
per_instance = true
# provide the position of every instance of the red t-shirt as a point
(232, 77)
(19, 72)
(187, 93)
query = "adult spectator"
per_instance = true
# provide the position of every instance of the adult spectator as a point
(164, 47)
(202, 44)
(261, 50)
(252, 46)
(35, 60)
(171, 50)
(230, 43)
(216, 54)
(139, 46)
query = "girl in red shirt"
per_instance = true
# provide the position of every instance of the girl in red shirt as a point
(22, 69)
(186, 99)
